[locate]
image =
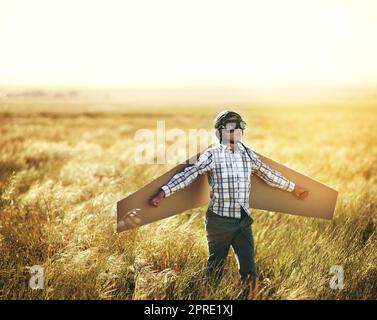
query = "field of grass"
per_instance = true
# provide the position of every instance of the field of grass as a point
(61, 174)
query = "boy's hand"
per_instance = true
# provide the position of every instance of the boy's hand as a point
(157, 198)
(300, 192)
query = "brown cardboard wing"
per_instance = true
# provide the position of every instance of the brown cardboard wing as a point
(135, 211)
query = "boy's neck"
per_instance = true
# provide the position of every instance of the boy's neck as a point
(232, 145)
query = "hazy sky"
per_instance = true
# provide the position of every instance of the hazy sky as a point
(173, 42)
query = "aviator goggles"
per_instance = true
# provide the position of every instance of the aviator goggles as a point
(231, 126)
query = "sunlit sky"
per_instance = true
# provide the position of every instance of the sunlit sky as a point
(194, 42)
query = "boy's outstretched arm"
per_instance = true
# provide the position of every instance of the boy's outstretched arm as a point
(184, 178)
(275, 179)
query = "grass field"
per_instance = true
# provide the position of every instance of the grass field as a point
(62, 172)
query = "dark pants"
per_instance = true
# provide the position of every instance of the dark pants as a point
(223, 232)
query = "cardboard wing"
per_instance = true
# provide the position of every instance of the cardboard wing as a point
(135, 211)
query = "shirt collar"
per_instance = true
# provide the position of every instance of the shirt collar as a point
(239, 147)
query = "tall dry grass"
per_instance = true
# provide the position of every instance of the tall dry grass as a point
(62, 173)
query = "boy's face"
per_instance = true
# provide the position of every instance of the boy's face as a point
(232, 136)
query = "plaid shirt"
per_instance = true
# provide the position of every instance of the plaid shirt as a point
(229, 177)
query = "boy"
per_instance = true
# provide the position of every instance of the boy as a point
(228, 219)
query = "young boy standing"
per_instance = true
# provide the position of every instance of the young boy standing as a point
(229, 165)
